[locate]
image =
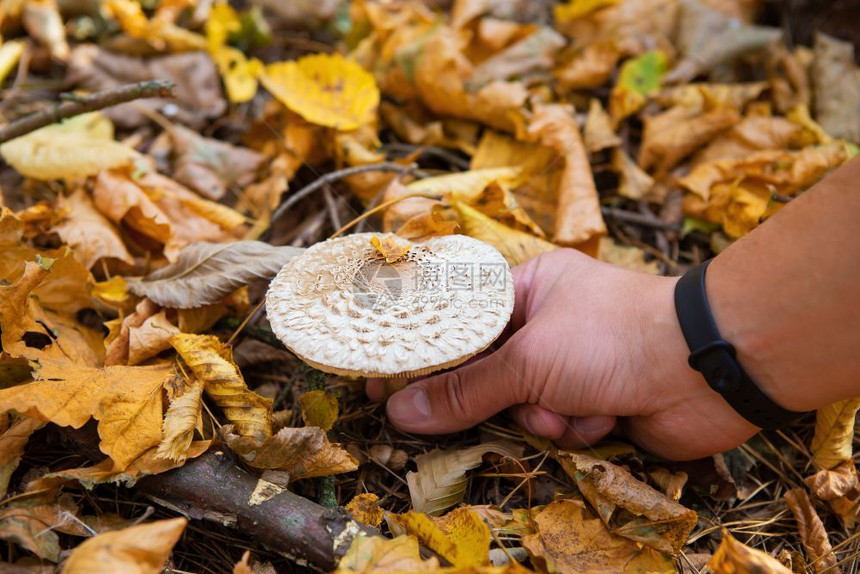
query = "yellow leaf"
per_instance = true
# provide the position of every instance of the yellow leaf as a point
(10, 53)
(465, 186)
(160, 33)
(301, 452)
(319, 409)
(328, 90)
(598, 133)
(378, 554)
(813, 535)
(180, 420)
(125, 400)
(11, 227)
(223, 21)
(643, 514)
(733, 557)
(364, 509)
(460, 537)
(74, 149)
(141, 549)
(224, 217)
(638, 79)
(240, 74)
(517, 246)
(17, 309)
(569, 539)
(113, 292)
(579, 8)
(832, 443)
(590, 68)
(43, 22)
(89, 233)
(212, 363)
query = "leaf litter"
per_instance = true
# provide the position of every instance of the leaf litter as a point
(135, 239)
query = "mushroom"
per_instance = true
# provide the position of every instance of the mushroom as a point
(375, 305)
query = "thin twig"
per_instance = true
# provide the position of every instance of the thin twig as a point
(334, 176)
(637, 218)
(434, 151)
(84, 104)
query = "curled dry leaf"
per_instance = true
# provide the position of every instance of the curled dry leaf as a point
(832, 443)
(628, 507)
(12, 443)
(205, 273)
(118, 345)
(42, 20)
(440, 480)
(638, 79)
(89, 233)
(301, 452)
(568, 540)
(319, 409)
(180, 420)
(733, 557)
(633, 182)
(378, 554)
(752, 134)
(72, 150)
(671, 483)
(839, 481)
(150, 338)
(125, 400)
(325, 89)
(812, 531)
(212, 362)
(365, 509)
(141, 549)
(460, 537)
(31, 519)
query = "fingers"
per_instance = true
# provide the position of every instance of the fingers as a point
(458, 399)
(567, 432)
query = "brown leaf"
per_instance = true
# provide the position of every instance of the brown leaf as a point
(644, 515)
(135, 550)
(180, 421)
(12, 443)
(118, 346)
(752, 134)
(733, 557)
(671, 483)
(150, 338)
(212, 363)
(578, 218)
(125, 400)
(568, 539)
(598, 133)
(633, 182)
(301, 452)
(30, 520)
(365, 509)
(532, 54)
(205, 273)
(589, 68)
(837, 482)
(90, 234)
(836, 80)
(812, 531)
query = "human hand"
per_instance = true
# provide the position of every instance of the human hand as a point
(588, 343)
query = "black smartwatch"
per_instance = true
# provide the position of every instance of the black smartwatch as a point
(715, 357)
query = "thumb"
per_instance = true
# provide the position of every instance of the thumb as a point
(458, 399)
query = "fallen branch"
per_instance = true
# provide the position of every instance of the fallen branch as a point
(334, 176)
(84, 104)
(212, 487)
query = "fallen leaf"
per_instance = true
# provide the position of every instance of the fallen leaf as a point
(135, 550)
(119, 341)
(638, 79)
(516, 246)
(180, 421)
(839, 481)
(751, 134)
(364, 508)
(832, 443)
(532, 54)
(12, 443)
(151, 338)
(89, 233)
(671, 483)
(160, 33)
(212, 362)
(319, 409)
(42, 20)
(10, 55)
(699, 97)
(30, 520)
(628, 507)
(812, 532)
(328, 90)
(589, 68)
(205, 273)
(440, 480)
(378, 554)
(733, 557)
(568, 539)
(633, 182)
(836, 80)
(598, 133)
(125, 400)
(461, 537)
(632, 258)
(302, 452)
(71, 150)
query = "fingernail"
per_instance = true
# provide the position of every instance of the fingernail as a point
(592, 424)
(410, 405)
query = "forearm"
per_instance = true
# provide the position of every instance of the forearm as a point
(788, 296)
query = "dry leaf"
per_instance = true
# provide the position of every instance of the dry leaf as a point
(319, 409)
(301, 452)
(378, 554)
(118, 341)
(598, 133)
(160, 33)
(733, 557)
(440, 480)
(71, 150)
(42, 20)
(212, 363)
(30, 520)
(150, 338)
(578, 219)
(644, 515)
(671, 483)
(89, 233)
(632, 258)
(364, 508)
(205, 273)
(836, 80)
(638, 79)
(590, 68)
(699, 97)
(461, 537)
(12, 443)
(752, 134)
(812, 532)
(10, 55)
(136, 550)
(532, 54)
(517, 246)
(180, 421)
(832, 443)
(568, 540)
(829, 484)
(324, 89)
(633, 182)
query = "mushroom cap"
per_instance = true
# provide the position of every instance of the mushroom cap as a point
(347, 307)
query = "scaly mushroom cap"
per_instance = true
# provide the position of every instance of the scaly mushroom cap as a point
(374, 305)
